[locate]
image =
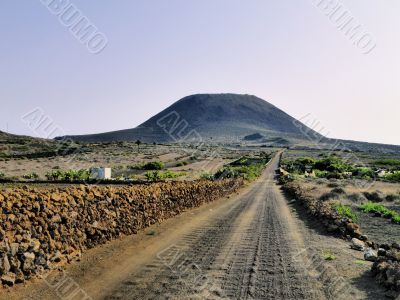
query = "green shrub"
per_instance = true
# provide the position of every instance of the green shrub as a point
(304, 163)
(376, 196)
(328, 255)
(245, 167)
(2, 175)
(379, 208)
(207, 176)
(363, 173)
(321, 174)
(154, 165)
(153, 176)
(329, 196)
(32, 175)
(250, 172)
(157, 175)
(339, 190)
(394, 177)
(300, 165)
(181, 164)
(71, 175)
(54, 176)
(391, 163)
(332, 164)
(345, 211)
(170, 174)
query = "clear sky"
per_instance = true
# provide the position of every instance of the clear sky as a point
(286, 52)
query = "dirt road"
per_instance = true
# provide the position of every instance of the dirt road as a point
(244, 252)
(245, 247)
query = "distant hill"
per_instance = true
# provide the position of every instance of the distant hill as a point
(13, 138)
(218, 117)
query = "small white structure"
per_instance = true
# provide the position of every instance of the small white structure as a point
(100, 173)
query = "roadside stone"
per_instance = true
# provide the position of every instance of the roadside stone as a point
(352, 227)
(4, 265)
(14, 263)
(34, 245)
(356, 244)
(385, 246)
(8, 279)
(56, 219)
(19, 277)
(14, 249)
(29, 259)
(370, 255)
(393, 255)
(381, 252)
(357, 234)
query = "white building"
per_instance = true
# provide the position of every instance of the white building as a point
(100, 173)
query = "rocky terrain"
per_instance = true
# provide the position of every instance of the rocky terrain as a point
(386, 257)
(45, 228)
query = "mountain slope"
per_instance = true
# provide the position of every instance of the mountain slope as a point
(224, 117)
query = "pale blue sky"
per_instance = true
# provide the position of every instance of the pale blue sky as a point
(286, 52)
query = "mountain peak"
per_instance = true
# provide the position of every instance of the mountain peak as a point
(218, 116)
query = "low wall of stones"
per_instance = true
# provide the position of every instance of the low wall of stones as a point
(44, 228)
(323, 212)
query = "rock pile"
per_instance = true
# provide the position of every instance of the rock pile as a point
(44, 228)
(386, 268)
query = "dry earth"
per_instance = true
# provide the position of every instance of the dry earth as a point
(251, 246)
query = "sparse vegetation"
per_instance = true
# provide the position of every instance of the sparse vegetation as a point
(363, 173)
(328, 255)
(360, 262)
(207, 176)
(154, 165)
(329, 196)
(394, 177)
(336, 193)
(388, 162)
(339, 190)
(138, 143)
(345, 211)
(371, 207)
(247, 168)
(71, 175)
(31, 176)
(376, 196)
(330, 167)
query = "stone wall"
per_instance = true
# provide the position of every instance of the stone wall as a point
(44, 228)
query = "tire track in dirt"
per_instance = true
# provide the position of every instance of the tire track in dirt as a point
(245, 252)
